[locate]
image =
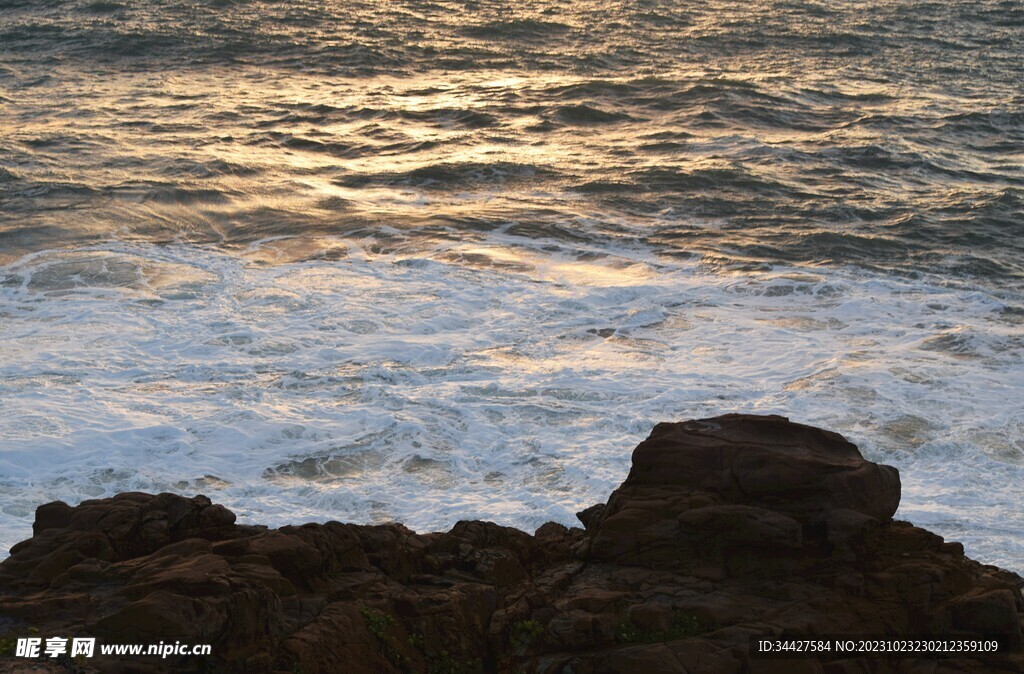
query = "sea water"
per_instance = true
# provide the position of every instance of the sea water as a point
(431, 261)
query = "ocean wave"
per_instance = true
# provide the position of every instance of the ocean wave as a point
(360, 237)
(515, 29)
(585, 114)
(304, 387)
(456, 174)
(677, 180)
(451, 117)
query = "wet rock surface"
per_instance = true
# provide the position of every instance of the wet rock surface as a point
(726, 529)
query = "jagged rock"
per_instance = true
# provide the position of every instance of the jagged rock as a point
(726, 529)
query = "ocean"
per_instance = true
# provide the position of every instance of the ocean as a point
(429, 261)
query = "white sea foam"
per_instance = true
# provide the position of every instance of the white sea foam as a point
(489, 381)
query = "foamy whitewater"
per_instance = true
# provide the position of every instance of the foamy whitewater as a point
(455, 260)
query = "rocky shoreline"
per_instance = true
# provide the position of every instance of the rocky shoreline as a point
(725, 529)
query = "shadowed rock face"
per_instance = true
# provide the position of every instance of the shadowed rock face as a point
(754, 482)
(768, 462)
(726, 528)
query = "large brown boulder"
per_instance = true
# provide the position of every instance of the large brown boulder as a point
(726, 530)
(768, 462)
(763, 479)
